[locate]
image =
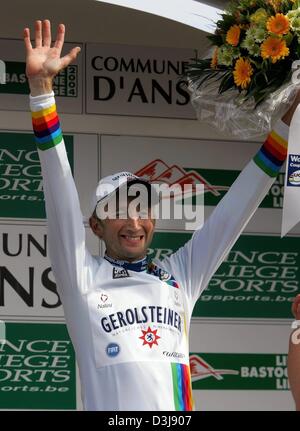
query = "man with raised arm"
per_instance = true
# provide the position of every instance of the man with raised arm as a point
(129, 317)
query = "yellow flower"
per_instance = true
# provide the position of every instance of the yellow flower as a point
(214, 60)
(274, 48)
(278, 24)
(242, 73)
(259, 17)
(233, 35)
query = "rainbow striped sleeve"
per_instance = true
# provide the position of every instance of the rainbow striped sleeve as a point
(46, 127)
(182, 387)
(273, 153)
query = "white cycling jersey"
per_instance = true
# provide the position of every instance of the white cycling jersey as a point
(129, 324)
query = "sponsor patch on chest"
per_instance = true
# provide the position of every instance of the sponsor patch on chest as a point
(120, 272)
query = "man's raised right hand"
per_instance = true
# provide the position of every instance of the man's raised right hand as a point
(44, 61)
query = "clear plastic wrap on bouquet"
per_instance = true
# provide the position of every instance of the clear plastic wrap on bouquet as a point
(230, 113)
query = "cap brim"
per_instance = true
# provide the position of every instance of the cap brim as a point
(152, 200)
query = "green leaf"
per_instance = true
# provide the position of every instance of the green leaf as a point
(226, 83)
(216, 39)
(226, 22)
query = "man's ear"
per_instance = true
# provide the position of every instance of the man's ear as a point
(96, 226)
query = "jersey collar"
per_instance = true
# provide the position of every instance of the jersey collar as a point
(138, 266)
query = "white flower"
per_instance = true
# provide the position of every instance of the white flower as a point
(259, 34)
(226, 55)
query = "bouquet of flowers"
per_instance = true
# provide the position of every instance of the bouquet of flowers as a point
(246, 84)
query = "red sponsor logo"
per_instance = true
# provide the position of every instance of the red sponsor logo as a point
(159, 172)
(150, 337)
(200, 369)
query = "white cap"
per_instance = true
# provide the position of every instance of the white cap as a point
(108, 185)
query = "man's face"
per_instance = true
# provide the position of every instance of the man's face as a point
(125, 238)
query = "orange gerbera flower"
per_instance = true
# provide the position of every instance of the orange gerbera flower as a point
(233, 35)
(278, 24)
(214, 60)
(274, 48)
(242, 73)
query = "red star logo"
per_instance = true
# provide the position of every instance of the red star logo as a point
(150, 337)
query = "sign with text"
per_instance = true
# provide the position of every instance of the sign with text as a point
(135, 80)
(21, 183)
(37, 367)
(14, 94)
(259, 278)
(239, 371)
(193, 162)
(27, 284)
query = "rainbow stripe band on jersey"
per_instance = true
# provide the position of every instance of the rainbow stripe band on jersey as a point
(272, 154)
(46, 128)
(182, 387)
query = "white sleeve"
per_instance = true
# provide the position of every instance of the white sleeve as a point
(194, 264)
(69, 257)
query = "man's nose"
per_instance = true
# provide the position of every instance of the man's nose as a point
(133, 221)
